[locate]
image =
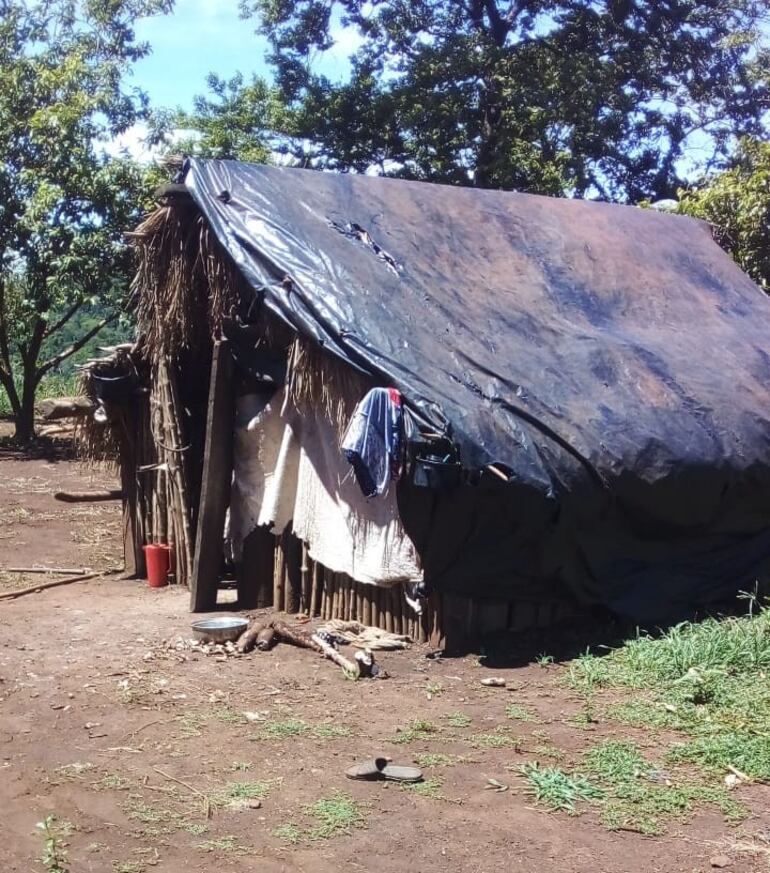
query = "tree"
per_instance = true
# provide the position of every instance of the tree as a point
(737, 203)
(64, 204)
(582, 97)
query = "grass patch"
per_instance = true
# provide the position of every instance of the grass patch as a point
(228, 845)
(191, 725)
(427, 788)
(289, 833)
(239, 793)
(519, 713)
(417, 730)
(291, 728)
(436, 759)
(330, 731)
(500, 739)
(286, 729)
(558, 790)
(336, 814)
(707, 681)
(458, 720)
(641, 798)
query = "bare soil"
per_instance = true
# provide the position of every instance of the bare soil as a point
(136, 744)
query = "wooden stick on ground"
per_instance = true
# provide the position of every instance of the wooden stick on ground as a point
(88, 496)
(349, 667)
(10, 595)
(66, 571)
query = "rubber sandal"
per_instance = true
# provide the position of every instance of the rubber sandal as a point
(381, 768)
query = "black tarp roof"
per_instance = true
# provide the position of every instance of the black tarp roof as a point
(588, 347)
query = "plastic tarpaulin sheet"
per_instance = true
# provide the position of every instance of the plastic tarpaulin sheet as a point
(614, 359)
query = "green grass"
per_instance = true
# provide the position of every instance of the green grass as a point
(519, 713)
(436, 759)
(289, 833)
(239, 793)
(286, 729)
(500, 739)
(558, 790)
(707, 681)
(336, 814)
(228, 845)
(291, 728)
(418, 730)
(428, 788)
(458, 720)
(644, 799)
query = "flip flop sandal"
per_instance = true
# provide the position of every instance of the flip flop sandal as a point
(381, 768)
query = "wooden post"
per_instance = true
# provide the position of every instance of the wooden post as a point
(317, 589)
(367, 619)
(215, 484)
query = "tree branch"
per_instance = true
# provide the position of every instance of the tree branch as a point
(49, 331)
(76, 346)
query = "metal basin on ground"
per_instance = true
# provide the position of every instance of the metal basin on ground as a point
(219, 630)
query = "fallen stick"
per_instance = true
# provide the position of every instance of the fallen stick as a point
(349, 668)
(10, 595)
(206, 798)
(89, 496)
(66, 571)
(293, 636)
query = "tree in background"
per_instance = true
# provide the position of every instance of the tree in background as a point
(578, 97)
(64, 204)
(737, 203)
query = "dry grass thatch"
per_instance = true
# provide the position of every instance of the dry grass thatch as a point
(185, 284)
(317, 380)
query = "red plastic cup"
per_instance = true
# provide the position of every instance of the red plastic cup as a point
(158, 558)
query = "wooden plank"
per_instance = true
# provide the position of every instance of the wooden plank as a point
(215, 484)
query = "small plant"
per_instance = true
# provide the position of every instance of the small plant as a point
(290, 833)
(436, 759)
(228, 716)
(433, 689)
(417, 730)
(519, 713)
(330, 731)
(559, 790)
(128, 867)
(227, 844)
(543, 660)
(336, 814)
(586, 716)
(239, 793)
(112, 781)
(283, 730)
(458, 720)
(54, 857)
(191, 725)
(498, 740)
(428, 788)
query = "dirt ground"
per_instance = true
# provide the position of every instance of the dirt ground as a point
(150, 754)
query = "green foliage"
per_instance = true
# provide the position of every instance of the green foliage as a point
(54, 857)
(418, 730)
(64, 203)
(336, 814)
(737, 203)
(707, 681)
(642, 799)
(559, 790)
(552, 96)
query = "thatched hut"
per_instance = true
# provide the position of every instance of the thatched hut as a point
(581, 393)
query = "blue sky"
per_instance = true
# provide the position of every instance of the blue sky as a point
(203, 36)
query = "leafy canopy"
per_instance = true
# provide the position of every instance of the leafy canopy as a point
(578, 97)
(737, 203)
(64, 203)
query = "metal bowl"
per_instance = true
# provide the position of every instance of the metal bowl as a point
(219, 630)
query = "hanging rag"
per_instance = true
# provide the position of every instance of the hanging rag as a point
(374, 440)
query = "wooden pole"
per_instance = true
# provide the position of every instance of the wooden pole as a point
(317, 585)
(278, 575)
(216, 480)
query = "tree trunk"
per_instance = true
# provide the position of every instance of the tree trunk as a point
(25, 418)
